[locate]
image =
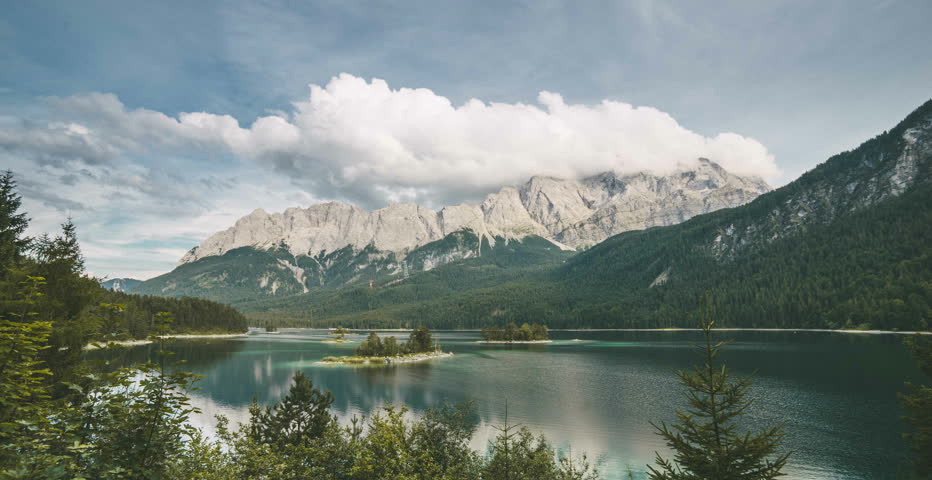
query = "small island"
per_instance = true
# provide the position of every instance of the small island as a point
(376, 351)
(339, 336)
(511, 333)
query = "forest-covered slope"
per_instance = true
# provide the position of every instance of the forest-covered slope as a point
(845, 245)
(254, 276)
(43, 279)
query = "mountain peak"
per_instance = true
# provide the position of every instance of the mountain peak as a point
(577, 213)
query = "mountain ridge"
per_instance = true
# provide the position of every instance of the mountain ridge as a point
(333, 244)
(843, 246)
(551, 208)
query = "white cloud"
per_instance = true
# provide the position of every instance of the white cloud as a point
(142, 184)
(366, 142)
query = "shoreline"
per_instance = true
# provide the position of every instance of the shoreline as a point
(146, 341)
(383, 361)
(510, 342)
(739, 329)
(673, 329)
(206, 335)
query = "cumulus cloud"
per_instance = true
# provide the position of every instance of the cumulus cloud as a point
(144, 185)
(366, 142)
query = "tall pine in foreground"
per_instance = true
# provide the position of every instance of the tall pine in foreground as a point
(706, 439)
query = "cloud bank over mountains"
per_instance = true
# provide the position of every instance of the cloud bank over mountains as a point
(367, 143)
(140, 181)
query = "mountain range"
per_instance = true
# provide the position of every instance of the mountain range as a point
(335, 244)
(846, 245)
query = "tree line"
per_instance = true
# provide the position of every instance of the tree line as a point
(513, 333)
(419, 341)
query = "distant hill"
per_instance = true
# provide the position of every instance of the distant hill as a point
(125, 285)
(847, 245)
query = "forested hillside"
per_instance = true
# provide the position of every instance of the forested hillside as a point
(249, 275)
(45, 277)
(844, 246)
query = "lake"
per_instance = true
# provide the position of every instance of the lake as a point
(596, 391)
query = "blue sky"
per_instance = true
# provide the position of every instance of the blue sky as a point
(96, 101)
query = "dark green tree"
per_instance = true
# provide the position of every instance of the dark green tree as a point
(23, 390)
(707, 441)
(302, 416)
(13, 223)
(442, 439)
(918, 404)
(370, 346)
(515, 454)
(420, 340)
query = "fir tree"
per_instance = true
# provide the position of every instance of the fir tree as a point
(706, 440)
(13, 223)
(303, 415)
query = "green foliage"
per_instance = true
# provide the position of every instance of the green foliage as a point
(918, 404)
(301, 417)
(127, 424)
(23, 388)
(136, 423)
(386, 446)
(13, 223)
(515, 454)
(81, 309)
(419, 341)
(513, 333)
(707, 440)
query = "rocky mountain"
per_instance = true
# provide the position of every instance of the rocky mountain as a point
(846, 245)
(125, 285)
(335, 244)
(572, 214)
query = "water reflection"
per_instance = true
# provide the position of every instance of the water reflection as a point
(594, 391)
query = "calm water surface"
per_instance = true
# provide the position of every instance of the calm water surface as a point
(596, 391)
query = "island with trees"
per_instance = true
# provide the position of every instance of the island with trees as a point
(339, 335)
(374, 350)
(511, 333)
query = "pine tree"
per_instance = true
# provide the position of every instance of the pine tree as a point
(706, 440)
(303, 415)
(13, 223)
(420, 340)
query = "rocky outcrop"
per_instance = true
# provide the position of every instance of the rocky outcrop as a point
(572, 214)
(881, 168)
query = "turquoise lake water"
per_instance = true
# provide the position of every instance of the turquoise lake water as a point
(596, 392)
